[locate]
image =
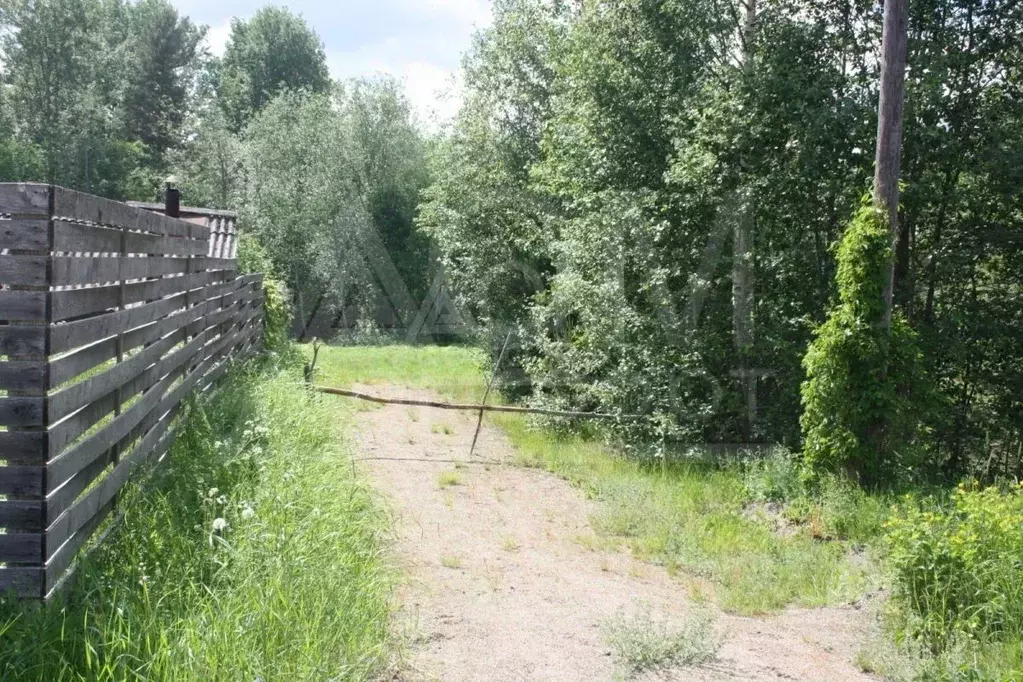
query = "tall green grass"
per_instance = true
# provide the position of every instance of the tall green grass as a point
(454, 371)
(694, 519)
(255, 552)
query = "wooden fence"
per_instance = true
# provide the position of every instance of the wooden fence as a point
(109, 316)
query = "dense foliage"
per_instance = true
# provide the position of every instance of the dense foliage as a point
(957, 567)
(650, 192)
(113, 96)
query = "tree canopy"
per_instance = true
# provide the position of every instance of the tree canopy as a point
(652, 193)
(272, 52)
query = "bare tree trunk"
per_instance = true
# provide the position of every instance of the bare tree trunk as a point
(743, 276)
(889, 125)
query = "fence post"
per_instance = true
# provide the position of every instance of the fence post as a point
(25, 311)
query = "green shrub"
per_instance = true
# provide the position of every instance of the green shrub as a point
(278, 314)
(957, 568)
(253, 258)
(847, 512)
(863, 386)
(774, 478)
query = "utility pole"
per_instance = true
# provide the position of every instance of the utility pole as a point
(889, 126)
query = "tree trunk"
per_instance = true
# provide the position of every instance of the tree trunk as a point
(889, 125)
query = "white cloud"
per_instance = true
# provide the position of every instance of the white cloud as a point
(418, 41)
(434, 92)
(217, 37)
(468, 12)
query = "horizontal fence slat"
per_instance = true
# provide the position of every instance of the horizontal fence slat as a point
(18, 198)
(23, 341)
(21, 581)
(77, 396)
(21, 548)
(21, 515)
(60, 560)
(77, 333)
(70, 270)
(22, 376)
(79, 206)
(64, 337)
(72, 517)
(23, 447)
(29, 306)
(21, 481)
(216, 264)
(68, 367)
(23, 270)
(80, 302)
(21, 412)
(24, 235)
(79, 238)
(67, 465)
(64, 433)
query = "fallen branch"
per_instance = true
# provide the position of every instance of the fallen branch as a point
(487, 408)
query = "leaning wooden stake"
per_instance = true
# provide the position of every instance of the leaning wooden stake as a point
(486, 394)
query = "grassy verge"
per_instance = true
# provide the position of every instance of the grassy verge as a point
(253, 553)
(693, 519)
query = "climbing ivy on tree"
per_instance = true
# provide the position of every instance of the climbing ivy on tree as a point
(864, 392)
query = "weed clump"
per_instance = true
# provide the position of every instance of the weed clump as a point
(642, 642)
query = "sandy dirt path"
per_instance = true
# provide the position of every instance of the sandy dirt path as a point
(499, 587)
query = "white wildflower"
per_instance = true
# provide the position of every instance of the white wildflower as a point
(219, 524)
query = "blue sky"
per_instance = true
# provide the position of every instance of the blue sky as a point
(420, 41)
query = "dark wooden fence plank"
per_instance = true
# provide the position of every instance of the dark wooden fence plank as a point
(60, 559)
(80, 302)
(23, 235)
(77, 333)
(87, 358)
(71, 237)
(23, 270)
(64, 337)
(21, 515)
(64, 433)
(21, 481)
(23, 447)
(19, 198)
(21, 412)
(78, 206)
(84, 392)
(29, 306)
(21, 548)
(68, 464)
(69, 270)
(22, 376)
(75, 514)
(23, 341)
(22, 582)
